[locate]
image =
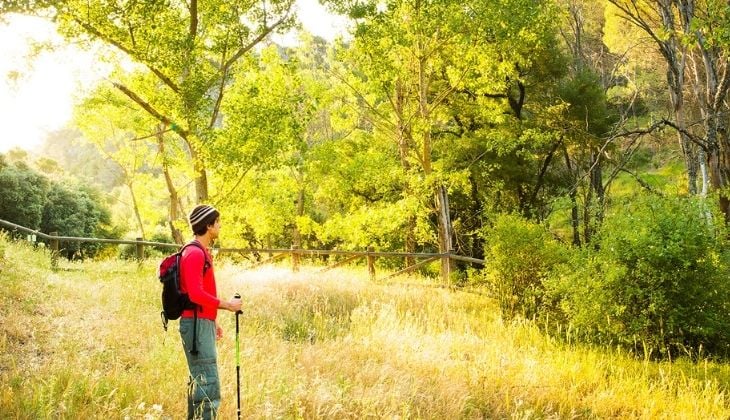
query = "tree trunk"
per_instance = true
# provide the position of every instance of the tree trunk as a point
(724, 164)
(201, 175)
(587, 229)
(717, 162)
(477, 246)
(174, 209)
(136, 210)
(529, 209)
(710, 86)
(402, 137)
(296, 234)
(445, 238)
(410, 240)
(574, 219)
(596, 176)
(442, 199)
(704, 159)
(710, 82)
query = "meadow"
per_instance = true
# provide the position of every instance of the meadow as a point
(85, 341)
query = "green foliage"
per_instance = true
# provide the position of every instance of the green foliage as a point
(656, 283)
(588, 102)
(380, 225)
(22, 195)
(76, 211)
(266, 113)
(520, 256)
(121, 138)
(31, 200)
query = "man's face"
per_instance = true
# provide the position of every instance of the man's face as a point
(215, 229)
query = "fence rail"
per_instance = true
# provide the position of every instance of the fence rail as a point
(295, 253)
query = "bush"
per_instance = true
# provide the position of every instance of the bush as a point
(75, 211)
(520, 256)
(29, 199)
(655, 283)
(22, 195)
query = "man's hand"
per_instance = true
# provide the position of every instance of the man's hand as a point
(218, 331)
(233, 305)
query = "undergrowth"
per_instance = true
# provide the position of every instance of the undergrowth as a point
(85, 341)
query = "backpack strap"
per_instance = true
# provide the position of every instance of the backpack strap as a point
(206, 266)
(194, 350)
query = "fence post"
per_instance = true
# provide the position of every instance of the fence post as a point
(446, 268)
(371, 263)
(140, 250)
(294, 258)
(54, 251)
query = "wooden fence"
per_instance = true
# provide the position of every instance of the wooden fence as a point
(294, 254)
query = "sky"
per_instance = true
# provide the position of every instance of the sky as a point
(38, 89)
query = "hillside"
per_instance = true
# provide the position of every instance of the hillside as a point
(86, 342)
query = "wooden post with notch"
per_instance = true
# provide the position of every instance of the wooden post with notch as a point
(140, 250)
(54, 251)
(294, 258)
(371, 263)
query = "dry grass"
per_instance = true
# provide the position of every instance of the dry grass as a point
(86, 342)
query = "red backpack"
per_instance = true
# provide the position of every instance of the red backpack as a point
(174, 301)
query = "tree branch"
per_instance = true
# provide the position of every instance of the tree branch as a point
(147, 107)
(92, 30)
(155, 134)
(361, 97)
(723, 89)
(193, 30)
(543, 171)
(699, 141)
(221, 86)
(235, 57)
(637, 133)
(641, 182)
(246, 48)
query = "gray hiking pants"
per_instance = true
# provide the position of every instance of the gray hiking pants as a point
(204, 394)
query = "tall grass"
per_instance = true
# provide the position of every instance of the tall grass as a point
(86, 342)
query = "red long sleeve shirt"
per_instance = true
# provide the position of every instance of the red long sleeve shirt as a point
(201, 289)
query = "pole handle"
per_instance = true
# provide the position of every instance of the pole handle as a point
(237, 296)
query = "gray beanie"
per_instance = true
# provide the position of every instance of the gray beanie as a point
(200, 214)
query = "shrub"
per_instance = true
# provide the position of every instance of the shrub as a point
(656, 281)
(520, 256)
(76, 211)
(22, 195)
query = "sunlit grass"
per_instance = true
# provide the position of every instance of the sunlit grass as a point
(86, 342)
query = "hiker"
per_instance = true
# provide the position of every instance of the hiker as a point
(197, 278)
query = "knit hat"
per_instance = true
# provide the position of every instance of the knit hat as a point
(199, 216)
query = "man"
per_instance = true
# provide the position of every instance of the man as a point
(197, 279)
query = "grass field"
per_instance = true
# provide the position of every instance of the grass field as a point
(86, 342)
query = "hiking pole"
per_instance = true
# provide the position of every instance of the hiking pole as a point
(238, 363)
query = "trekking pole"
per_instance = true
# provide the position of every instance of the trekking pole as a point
(238, 364)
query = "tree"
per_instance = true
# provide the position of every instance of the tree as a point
(266, 139)
(106, 124)
(692, 38)
(189, 51)
(75, 211)
(22, 194)
(401, 53)
(461, 90)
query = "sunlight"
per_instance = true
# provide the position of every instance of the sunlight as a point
(41, 77)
